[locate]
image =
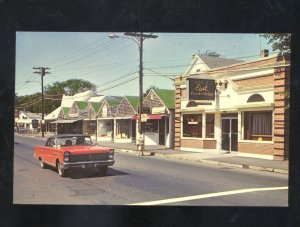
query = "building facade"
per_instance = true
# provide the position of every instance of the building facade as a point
(237, 108)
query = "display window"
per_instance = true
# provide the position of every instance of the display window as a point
(105, 128)
(151, 126)
(123, 127)
(258, 125)
(192, 125)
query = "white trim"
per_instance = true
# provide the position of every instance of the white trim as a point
(250, 155)
(190, 110)
(256, 141)
(253, 75)
(255, 105)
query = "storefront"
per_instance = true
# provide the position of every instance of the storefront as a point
(158, 125)
(105, 129)
(68, 126)
(123, 130)
(239, 109)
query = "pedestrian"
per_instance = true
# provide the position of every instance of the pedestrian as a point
(140, 146)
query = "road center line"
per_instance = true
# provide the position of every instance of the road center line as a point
(204, 196)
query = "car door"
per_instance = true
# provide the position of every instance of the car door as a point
(49, 152)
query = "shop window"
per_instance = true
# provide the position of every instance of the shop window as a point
(258, 126)
(210, 125)
(123, 127)
(151, 126)
(105, 128)
(192, 125)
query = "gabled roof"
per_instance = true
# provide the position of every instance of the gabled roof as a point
(82, 105)
(66, 110)
(95, 99)
(113, 100)
(32, 115)
(166, 96)
(133, 100)
(203, 63)
(54, 114)
(216, 62)
(68, 100)
(96, 106)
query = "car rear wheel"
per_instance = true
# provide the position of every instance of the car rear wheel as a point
(60, 170)
(102, 170)
(42, 164)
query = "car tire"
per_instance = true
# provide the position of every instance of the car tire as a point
(61, 171)
(42, 164)
(102, 170)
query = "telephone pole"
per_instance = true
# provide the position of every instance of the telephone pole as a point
(42, 72)
(139, 38)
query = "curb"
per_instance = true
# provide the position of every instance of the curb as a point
(221, 163)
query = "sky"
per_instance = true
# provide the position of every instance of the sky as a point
(113, 64)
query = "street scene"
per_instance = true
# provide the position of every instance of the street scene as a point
(145, 119)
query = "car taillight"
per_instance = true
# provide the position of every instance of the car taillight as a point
(67, 156)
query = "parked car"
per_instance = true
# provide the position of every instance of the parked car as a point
(68, 151)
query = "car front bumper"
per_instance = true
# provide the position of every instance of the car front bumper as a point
(87, 164)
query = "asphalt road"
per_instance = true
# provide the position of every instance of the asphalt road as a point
(144, 180)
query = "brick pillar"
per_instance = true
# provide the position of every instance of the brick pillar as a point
(281, 113)
(177, 142)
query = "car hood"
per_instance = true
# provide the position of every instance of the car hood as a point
(85, 149)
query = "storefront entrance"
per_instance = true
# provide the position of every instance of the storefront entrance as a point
(229, 133)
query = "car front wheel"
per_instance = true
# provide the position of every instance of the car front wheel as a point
(60, 170)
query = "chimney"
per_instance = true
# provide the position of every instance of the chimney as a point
(264, 53)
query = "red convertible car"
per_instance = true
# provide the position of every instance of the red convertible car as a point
(68, 151)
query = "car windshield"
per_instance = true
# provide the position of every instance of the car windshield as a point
(74, 141)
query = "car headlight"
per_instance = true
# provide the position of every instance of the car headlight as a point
(111, 154)
(67, 155)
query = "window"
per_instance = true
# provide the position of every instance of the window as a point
(151, 126)
(210, 125)
(256, 98)
(123, 127)
(192, 125)
(258, 126)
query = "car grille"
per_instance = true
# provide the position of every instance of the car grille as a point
(89, 157)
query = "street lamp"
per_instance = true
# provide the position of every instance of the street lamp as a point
(138, 38)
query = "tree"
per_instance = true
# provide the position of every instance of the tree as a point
(209, 53)
(53, 94)
(149, 88)
(280, 41)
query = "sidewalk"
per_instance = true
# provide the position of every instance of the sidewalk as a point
(232, 160)
(228, 160)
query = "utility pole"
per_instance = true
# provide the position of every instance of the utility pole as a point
(139, 38)
(43, 73)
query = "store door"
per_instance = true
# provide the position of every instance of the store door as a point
(161, 130)
(229, 134)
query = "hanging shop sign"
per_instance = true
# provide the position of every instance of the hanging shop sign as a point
(143, 117)
(158, 110)
(200, 89)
